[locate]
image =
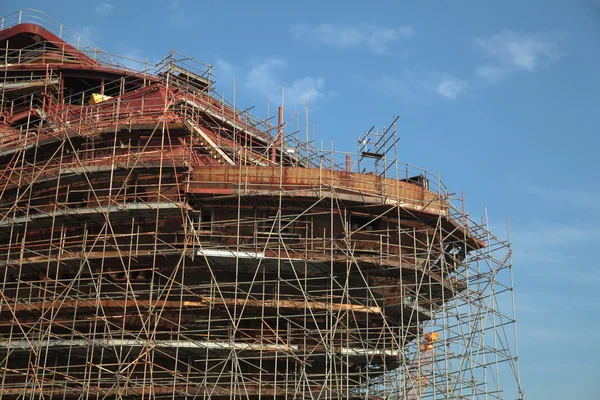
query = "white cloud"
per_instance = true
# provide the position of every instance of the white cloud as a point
(265, 78)
(418, 87)
(225, 71)
(305, 89)
(104, 9)
(225, 67)
(451, 87)
(371, 36)
(513, 51)
(262, 77)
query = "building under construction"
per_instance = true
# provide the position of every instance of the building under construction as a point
(158, 242)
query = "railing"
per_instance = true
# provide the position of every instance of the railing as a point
(32, 16)
(185, 73)
(42, 19)
(92, 51)
(186, 70)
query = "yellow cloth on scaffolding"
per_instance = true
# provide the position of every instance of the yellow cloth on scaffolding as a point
(96, 98)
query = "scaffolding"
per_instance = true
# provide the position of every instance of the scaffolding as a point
(157, 242)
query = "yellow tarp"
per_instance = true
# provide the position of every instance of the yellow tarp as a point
(96, 98)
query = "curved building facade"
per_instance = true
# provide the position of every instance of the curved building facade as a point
(156, 242)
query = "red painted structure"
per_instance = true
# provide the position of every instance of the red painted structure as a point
(157, 242)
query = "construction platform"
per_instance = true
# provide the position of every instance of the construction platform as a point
(157, 242)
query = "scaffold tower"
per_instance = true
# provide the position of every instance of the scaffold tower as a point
(156, 242)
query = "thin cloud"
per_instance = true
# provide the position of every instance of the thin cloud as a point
(306, 89)
(265, 78)
(181, 16)
(406, 85)
(262, 77)
(373, 37)
(555, 252)
(224, 66)
(561, 196)
(225, 71)
(451, 87)
(104, 9)
(87, 32)
(134, 58)
(552, 335)
(511, 52)
(417, 87)
(491, 73)
(552, 236)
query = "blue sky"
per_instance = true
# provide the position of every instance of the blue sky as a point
(501, 97)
